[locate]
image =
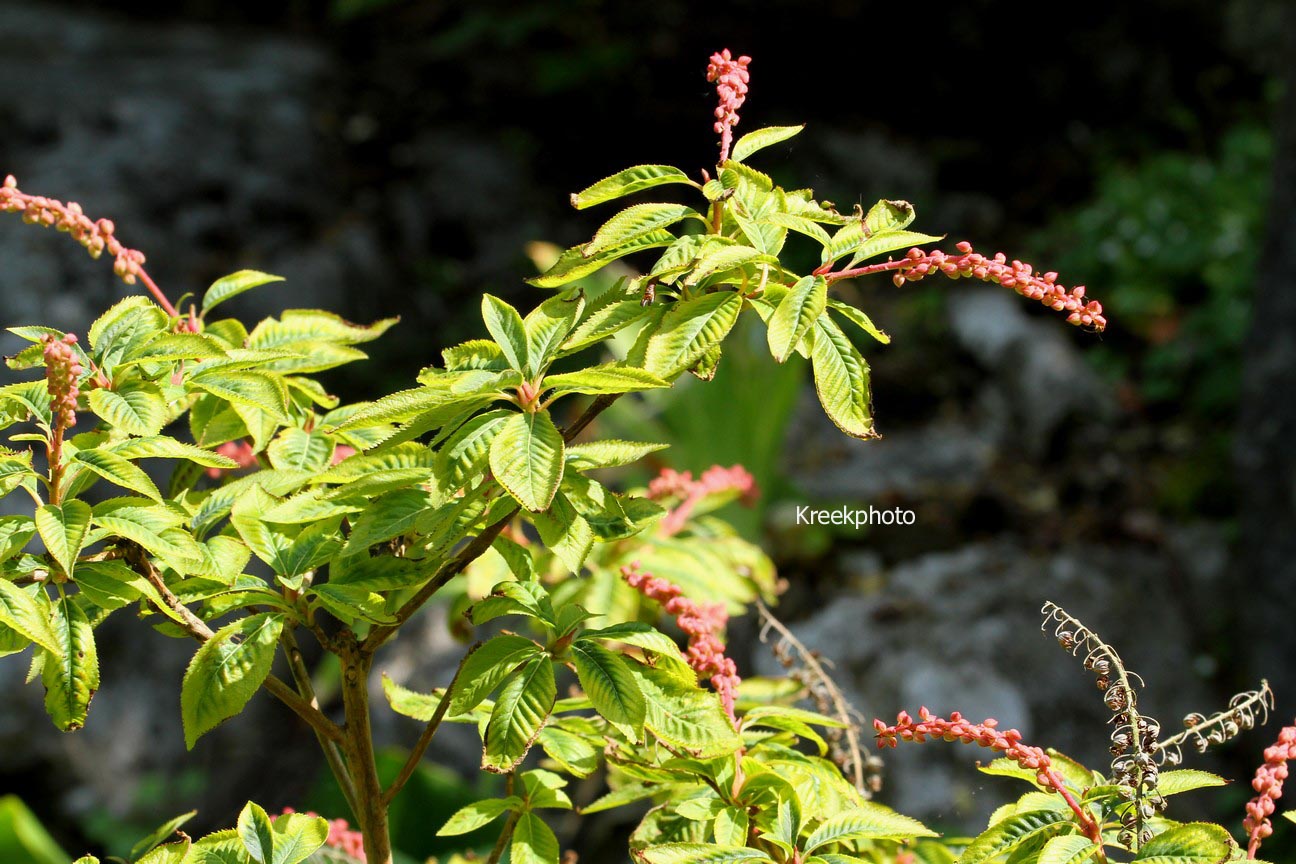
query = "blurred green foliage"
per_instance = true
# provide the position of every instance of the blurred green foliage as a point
(23, 840)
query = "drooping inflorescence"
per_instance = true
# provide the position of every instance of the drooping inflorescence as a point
(1134, 736)
(96, 235)
(928, 726)
(702, 623)
(731, 77)
(687, 492)
(1268, 785)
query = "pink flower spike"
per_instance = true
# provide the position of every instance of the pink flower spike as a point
(1268, 785)
(731, 78)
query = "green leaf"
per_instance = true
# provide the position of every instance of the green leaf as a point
(607, 680)
(1007, 834)
(477, 814)
(163, 447)
(683, 715)
(575, 264)
(134, 407)
(689, 330)
(251, 389)
(868, 821)
(171, 853)
(297, 836)
(300, 450)
(795, 314)
(19, 611)
(1186, 780)
(731, 826)
(162, 832)
(256, 830)
(233, 285)
(548, 325)
(762, 138)
(1193, 843)
(533, 842)
(63, 528)
(611, 312)
(526, 457)
(118, 470)
(634, 223)
(724, 259)
(841, 380)
(71, 677)
(1070, 849)
(609, 453)
(507, 329)
(15, 531)
(608, 378)
(888, 216)
(487, 667)
(474, 354)
(627, 182)
(859, 319)
(465, 453)
(889, 241)
(701, 853)
(226, 672)
(518, 715)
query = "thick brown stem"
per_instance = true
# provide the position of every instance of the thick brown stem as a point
(332, 751)
(372, 805)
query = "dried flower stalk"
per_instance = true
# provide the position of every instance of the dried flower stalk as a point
(1245, 711)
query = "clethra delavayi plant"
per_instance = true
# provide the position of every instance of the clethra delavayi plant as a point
(289, 516)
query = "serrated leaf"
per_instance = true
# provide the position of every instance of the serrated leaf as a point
(634, 223)
(1070, 849)
(859, 319)
(162, 832)
(135, 407)
(526, 458)
(608, 378)
(795, 315)
(233, 285)
(841, 380)
(226, 672)
(71, 677)
(888, 216)
(722, 260)
(889, 241)
(477, 814)
(1010, 833)
(487, 667)
(548, 325)
(474, 354)
(506, 328)
(252, 389)
(163, 447)
(533, 842)
(575, 264)
(118, 470)
(63, 527)
(465, 452)
(688, 331)
(1186, 780)
(519, 713)
(300, 450)
(607, 315)
(867, 821)
(702, 853)
(627, 182)
(683, 715)
(609, 453)
(20, 612)
(607, 680)
(762, 138)
(1193, 843)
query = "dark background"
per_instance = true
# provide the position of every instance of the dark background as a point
(399, 157)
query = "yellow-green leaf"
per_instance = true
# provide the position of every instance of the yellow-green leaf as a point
(526, 457)
(627, 182)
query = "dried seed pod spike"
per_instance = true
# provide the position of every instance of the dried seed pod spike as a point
(1134, 736)
(1244, 711)
(828, 698)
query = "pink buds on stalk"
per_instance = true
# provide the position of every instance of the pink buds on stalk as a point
(701, 623)
(1022, 278)
(62, 372)
(731, 78)
(95, 235)
(681, 486)
(1268, 784)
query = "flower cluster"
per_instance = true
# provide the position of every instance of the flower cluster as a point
(689, 492)
(969, 264)
(987, 734)
(96, 235)
(1268, 784)
(62, 372)
(341, 837)
(730, 77)
(701, 623)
